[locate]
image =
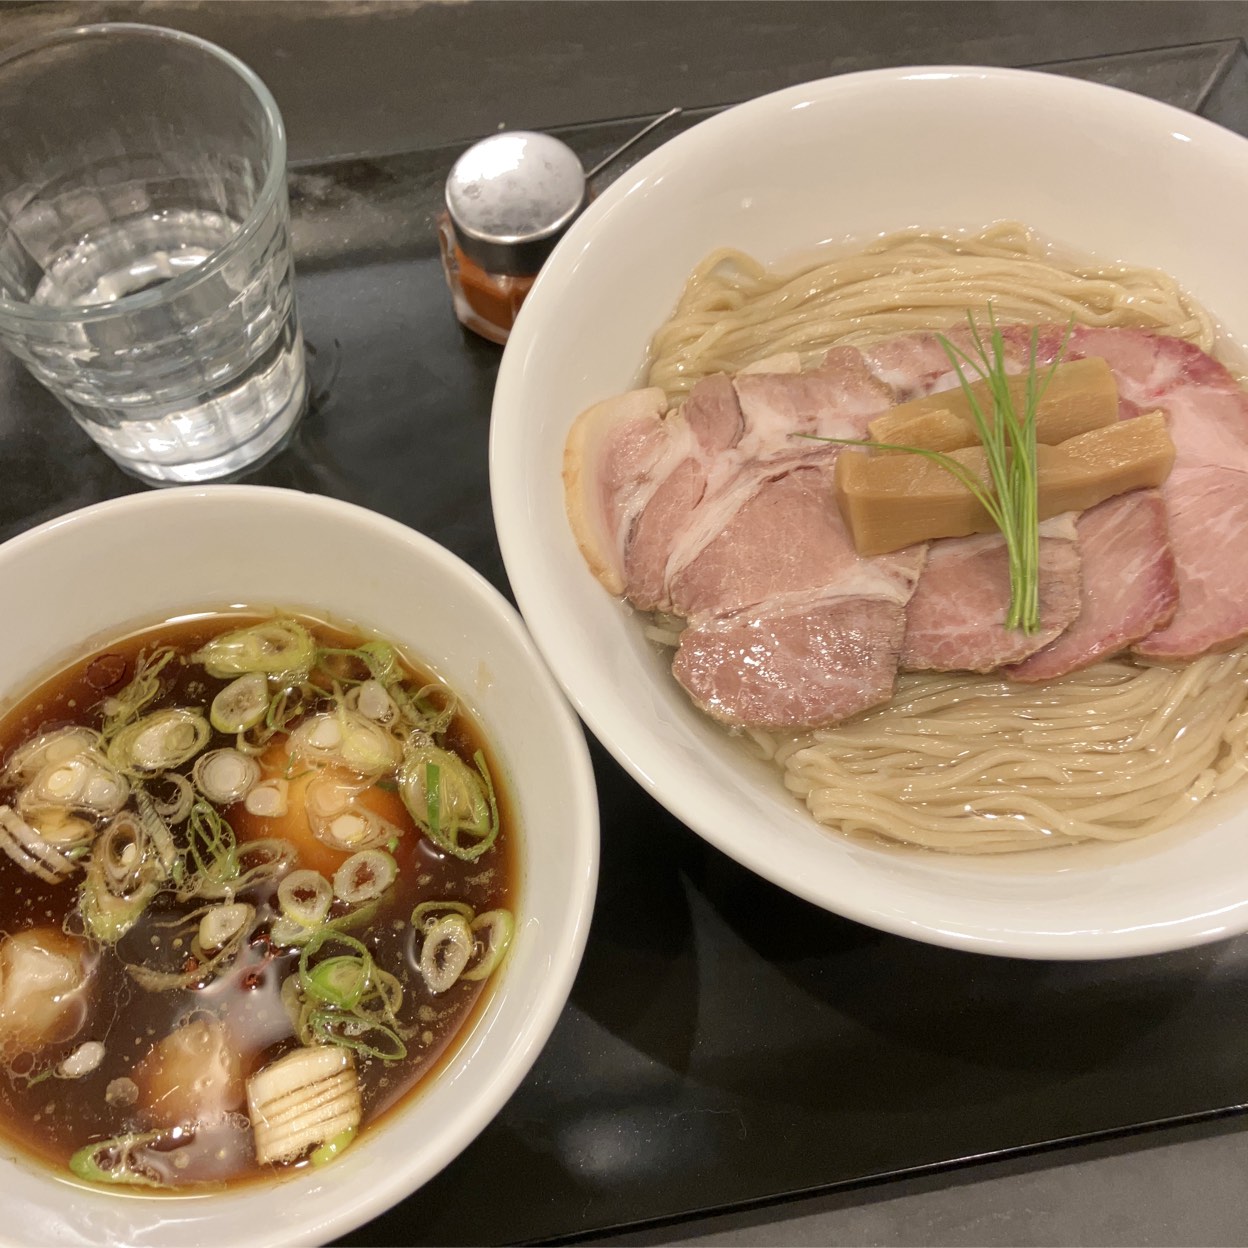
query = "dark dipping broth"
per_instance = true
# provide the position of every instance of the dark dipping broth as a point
(142, 985)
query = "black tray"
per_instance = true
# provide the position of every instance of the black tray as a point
(725, 1043)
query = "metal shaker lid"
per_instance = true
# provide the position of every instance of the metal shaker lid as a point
(511, 197)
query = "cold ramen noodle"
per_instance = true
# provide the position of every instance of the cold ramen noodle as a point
(259, 872)
(950, 528)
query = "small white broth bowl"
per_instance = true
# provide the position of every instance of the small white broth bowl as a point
(1089, 168)
(94, 575)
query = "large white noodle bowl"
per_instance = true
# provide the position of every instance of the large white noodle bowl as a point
(1089, 167)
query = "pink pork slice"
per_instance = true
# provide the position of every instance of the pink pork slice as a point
(836, 400)
(793, 664)
(955, 621)
(1206, 494)
(1129, 586)
(712, 417)
(789, 625)
(736, 433)
(1207, 517)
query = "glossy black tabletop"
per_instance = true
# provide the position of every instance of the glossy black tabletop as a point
(725, 1043)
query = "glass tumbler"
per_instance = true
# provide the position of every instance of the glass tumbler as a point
(145, 263)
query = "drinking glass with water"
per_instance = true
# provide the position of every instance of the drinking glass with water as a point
(145, 263)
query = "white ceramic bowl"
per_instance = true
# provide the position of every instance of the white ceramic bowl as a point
(92, 575)
(1090, 168)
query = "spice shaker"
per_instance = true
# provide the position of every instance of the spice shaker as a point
(509, 199)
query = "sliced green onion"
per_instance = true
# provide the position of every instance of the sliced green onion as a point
(242, 704)
(124, 853)
(122, 707)
(118, 1161)
(371, 700)
(292, 1003)
(186, 932)
(65, 831)
(131, 860)
(333, 816)
(287, 705)
(496, 928)
(288, 931)
(223, 923)
(346, 737)
(433, 799)
(364, 876)
(353, 828)
(345, 999)
(60, 783)
(32, 756)
(340, 981)
(305, 897)
(361, 916)
(364, 1036)
(420, 710)
(427, 714)
(256, 862)
(330, 793)
(176, 809)
(85, 782)
(225, 776)
(212, 850)
(492, 832)
(327, 937)
(281, 648)
(333, 1148)
(445, 952)
(382, 660)
(269, 799)
(159, 840)
(428, 912)
(386, 997)
(289, 934)
(108, 916)
(451, 801)
(159, 742)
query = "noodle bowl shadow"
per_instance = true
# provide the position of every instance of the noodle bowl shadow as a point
(96, 574)
(1092, 169)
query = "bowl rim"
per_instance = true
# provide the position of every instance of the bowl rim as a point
(595, 706)
(196, 1214)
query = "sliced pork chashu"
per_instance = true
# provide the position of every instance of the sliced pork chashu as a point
(1128, 589)
(955, 622)
(661, 501)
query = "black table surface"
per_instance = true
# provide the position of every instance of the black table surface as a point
(724, 1043)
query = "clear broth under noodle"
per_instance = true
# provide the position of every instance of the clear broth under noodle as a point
(957, 761)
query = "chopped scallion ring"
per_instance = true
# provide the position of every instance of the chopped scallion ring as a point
(305, 897)
(242, 704)
(225, 776)
(495, 928)
(364, 876)
(445, 952)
